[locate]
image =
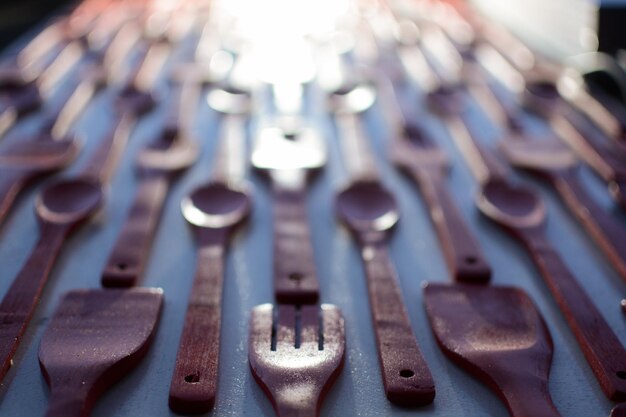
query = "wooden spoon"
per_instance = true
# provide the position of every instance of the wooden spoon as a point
(370, 211)
(61, 207)
(51, 149)
(521, 212)
(214, 211)
(94, 338)
(171, 153)
(496, 334)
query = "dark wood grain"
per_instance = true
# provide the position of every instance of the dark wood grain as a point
(95, 338)
(60, 208)
(521, 212)
(128, 258)
(497, 335)
(370, 211)
(214, 210)
(294, 264)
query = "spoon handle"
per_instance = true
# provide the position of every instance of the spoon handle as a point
(12, 180)
(19, 302)
(194, 382)
(295, 279)
(609, 234)
(406, 376)
(128, 257)
(602, 349)
(461, 250)
(102, 162)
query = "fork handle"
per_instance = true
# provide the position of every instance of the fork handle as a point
(128, 258)
(601, 347)
(608, 234)
(194, 382)
(295, 279)
(406, 377)
(462, 252)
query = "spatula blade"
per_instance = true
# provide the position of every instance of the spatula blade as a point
(94, 338)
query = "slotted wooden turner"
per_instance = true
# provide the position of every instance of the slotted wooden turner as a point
(297, 366)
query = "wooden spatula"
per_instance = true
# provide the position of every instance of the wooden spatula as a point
(94, 339)
(497, 335)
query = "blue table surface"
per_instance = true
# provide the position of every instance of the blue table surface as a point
(414, 250)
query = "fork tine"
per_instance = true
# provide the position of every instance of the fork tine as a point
(333, 328)
(310, 327)
(261, 327)
(286, 327)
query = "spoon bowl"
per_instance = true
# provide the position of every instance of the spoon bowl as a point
(216, 205)
(367, 207)
(69, 201)
(511, 206)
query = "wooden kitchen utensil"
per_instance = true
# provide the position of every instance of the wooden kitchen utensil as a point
(95, 338)
(296, 356)
(214, 211)
(61, 207)
(496, 334)
(172, 152)
(370, 212)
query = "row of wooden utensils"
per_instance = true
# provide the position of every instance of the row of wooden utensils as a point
(412, 67)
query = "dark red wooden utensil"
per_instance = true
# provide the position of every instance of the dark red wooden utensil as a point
(370, 211)
(418, 155)
(171, 153)
(296, 357)
(619, 410)
(552, 160)
(214, 211)
(496, 334)
(61, 208)
(51, 149)
(520, 211)
(288, 156)
(95, 338)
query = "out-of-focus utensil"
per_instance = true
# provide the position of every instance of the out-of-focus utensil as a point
(172, 152)
(61, 207)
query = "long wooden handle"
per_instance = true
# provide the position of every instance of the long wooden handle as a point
(461, 250)
(295, 279)
(12, 181)
(20, 301)
(406, 376)
(194, 382)
(602, 349)
(609, 234)
(129, 255)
